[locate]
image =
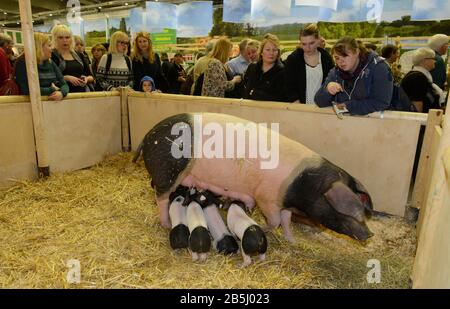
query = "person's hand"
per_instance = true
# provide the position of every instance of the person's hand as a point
(296, 101)
(181, 79)
(334, 88)
(75, 80)
(341, 106)
(56, 96)
(237, 79)
(89, 79)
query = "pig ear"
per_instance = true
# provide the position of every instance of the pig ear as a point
(344, 201)
(367, 201)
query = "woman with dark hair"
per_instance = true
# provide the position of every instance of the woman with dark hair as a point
(146, 62)
(360, 83)
(307, 67)
(391, 54)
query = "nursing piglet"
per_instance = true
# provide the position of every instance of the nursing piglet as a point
(223, 241)
(179, 234)
(199, 238)
(253, 239)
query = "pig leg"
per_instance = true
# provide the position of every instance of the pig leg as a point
(194, 256)
(163, 207)
(262, 257)
(285, 225)
(203, 257)
(247, 258)
(273, 217)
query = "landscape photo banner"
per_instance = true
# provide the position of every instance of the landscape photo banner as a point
(353, 11)
(194, 19)
(396, 9)
(237, 11)
(159, 16)
(431, 10)
(331, 4)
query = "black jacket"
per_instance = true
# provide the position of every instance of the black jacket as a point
(145, 68)
(296, 73)
(267, 86)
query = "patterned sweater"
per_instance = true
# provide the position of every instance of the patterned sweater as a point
(118, 75)
(48, 73)
(215, 82)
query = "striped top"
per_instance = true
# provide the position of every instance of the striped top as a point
(118, 75)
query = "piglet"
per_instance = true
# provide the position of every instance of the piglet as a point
(253, 239)
(223, 241)
(199, 239)
(179, 234)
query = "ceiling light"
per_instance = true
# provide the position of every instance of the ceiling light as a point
(126, 3)
(50, 14)
(5, 13)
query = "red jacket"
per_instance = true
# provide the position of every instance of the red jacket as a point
(5, 67)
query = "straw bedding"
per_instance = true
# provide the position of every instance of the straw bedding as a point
(107, 219)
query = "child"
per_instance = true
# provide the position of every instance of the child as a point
(147, 84)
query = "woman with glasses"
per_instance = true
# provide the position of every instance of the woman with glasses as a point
(418, 83)
(76, 71)
(360, 83)
(146, 62)
(115, 68)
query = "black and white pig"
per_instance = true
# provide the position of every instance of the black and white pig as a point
(253, 239)
(223, 241)
(179, 234)
(199, 238)
(302, 181)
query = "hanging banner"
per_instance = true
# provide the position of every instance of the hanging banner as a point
(395, 9)
(237, 11)
(160, 16)
(195, 19)
(167, 36)
(353, 11)
(430, 10)
(330, 4)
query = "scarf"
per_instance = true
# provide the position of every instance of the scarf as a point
(437, 91)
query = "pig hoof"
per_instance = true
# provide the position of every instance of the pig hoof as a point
(194, 256)
(262, 257)
(244, 264)
(290, 239)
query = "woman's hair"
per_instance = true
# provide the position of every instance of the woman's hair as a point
(39, 40)
(222, 49)
(98, 47)
(346, 44)
(269, 38)
(310, 30)
(117, 36)
(388, 50)
(59, 30)
(422, 53)
(437, 40)
(5, 39)
(136, 54)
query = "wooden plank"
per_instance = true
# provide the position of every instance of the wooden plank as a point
(33, 84)
(432, 153)
(17, 150)
(124, 120)
(433, 250)
(424, 167)
(81, 132)
(365, 147)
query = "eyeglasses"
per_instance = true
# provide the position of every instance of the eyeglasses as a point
(122, 42)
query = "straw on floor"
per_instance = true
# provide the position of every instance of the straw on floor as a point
(106, 218)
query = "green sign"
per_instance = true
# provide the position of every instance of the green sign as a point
(168, 36)
(19, 37)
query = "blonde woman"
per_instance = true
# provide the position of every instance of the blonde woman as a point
(146, 62)
(51, 79)
(264, 80)
(115, 69)
(75, 69)
(215, 81)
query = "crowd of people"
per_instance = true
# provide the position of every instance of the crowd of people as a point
(352, 76)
